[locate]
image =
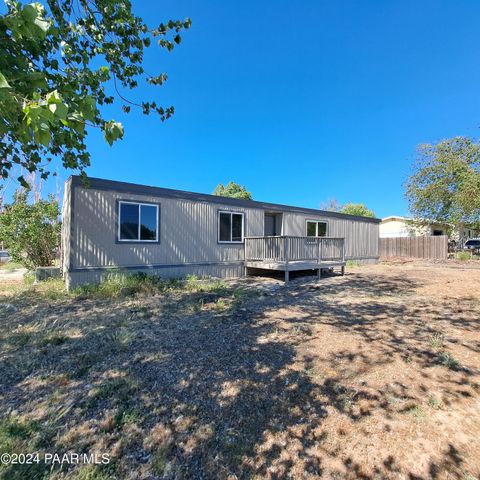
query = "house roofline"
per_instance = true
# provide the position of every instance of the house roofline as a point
(134, 188)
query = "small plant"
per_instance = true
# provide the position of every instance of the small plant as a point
(54, 339)
(464, 256)
(435, 402)
(221, 305)
(12, 266)
(117, 390)
(437, 340)
(353, 264)
(448, 361)
(28, 278)
(416, 411)
(121, 338)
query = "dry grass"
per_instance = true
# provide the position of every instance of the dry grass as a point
(371, 375)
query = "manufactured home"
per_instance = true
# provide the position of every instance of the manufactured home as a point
(172, 233)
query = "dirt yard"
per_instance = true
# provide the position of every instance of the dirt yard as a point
(372, 375)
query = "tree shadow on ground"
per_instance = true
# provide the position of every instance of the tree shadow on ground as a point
(216, 386)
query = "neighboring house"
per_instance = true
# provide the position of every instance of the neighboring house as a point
(174, 233)
(396, 226)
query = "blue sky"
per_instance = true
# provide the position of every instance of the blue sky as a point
(302, 101)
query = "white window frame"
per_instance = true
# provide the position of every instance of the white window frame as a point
(316, 228)
(139, 204)
(230, 212)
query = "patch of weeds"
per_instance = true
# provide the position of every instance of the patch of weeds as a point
(159, 459)
(20, 436)
(221, 305)
(463, 256)
(94, 472)
(19, 339)
(12, 266)
(129, 416)
(240, 293)
(28, 278)
(118, 390)
(159, 441)
(437, 340)
(55, 339)
(142, 312)
(120, 338)
(448, 361)
(435, 402)
(52, 289)
(119, 284)
(416, 411)
(84, 363)
(353, 264)
(196, 284)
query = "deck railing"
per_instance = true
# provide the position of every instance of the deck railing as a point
(294, 249)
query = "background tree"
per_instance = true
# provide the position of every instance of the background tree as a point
(445, 184)
(332, 205)
(232, 190)
(31, 230)
(358, 209)
(59, 63)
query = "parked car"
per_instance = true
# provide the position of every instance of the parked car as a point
(472, 244)
(4, 256)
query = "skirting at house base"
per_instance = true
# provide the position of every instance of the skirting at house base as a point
(84, 276)
(93, 276)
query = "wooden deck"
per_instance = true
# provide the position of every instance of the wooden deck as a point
(288, 253)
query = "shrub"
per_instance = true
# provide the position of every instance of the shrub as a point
(448, 361)
(31, 230)
(464, 256)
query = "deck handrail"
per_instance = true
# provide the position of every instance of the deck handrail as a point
(291, 248)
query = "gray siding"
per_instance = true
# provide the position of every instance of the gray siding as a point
(188, 232)
(361, 237)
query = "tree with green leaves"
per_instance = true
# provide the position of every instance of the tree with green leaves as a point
(358, 209)
(445, 183)
(232, 190)
(31, 230)
(60, 63)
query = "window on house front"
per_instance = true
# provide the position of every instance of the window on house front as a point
(316, 229)
(230, 227)
(138, 222)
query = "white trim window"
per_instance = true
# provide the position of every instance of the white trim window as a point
(230, 227)
(316, 228)
(137, 222)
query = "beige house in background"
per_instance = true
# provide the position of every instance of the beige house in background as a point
(397, 226)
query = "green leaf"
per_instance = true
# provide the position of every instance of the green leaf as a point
(59, 109)
(112, 131)
(42, 134)
(29, 13)
(53, 97)
(89, 108)
(3, 82)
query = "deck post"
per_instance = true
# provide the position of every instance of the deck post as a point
(285, 256)
(319, 273)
